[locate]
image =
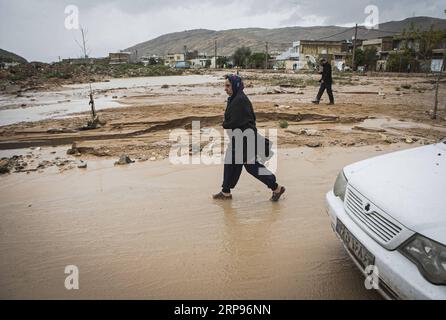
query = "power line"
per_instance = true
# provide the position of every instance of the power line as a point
(336, 34)
(380, 30)
(327, 37)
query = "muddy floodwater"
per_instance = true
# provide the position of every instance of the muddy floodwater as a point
(151, 231)
(71, 99)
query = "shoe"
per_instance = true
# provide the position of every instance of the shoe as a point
(221, 196)
(276, 196)
(331, 104)
(315, 101)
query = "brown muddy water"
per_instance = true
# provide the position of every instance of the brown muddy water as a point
(152, 231)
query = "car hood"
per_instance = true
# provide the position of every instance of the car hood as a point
(408, 185)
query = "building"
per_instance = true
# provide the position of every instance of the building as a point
(200, 60)
(305, 53)
(437, 63)
(182, 65)
(150, 60)
(172, 58)
(384, 44)
(120, 57)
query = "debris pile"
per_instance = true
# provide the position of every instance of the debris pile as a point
(124, 160)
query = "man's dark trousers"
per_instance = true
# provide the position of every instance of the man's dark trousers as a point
(325, 86)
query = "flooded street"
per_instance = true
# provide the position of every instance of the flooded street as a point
(151, 231)
(71, 99)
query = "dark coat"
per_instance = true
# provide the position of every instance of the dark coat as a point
(326, 74)
(240, 115)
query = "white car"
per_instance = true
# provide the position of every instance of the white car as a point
(390, 213)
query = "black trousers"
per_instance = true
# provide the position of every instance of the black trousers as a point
(325, 86)
(232, 174)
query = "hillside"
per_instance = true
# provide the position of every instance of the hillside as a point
(278, 39)
(6, 56)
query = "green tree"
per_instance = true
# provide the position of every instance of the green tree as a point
(257, 60)
(423, 41)
(359, 57)
(399, 62)
(370, 57)
(241, 56)
(221, 62)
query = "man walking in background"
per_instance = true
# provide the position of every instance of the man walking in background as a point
(326, 82)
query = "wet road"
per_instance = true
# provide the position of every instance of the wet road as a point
(151, 231)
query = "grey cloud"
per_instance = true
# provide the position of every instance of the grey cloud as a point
(35, 29)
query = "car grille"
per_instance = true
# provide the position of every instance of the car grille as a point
(374, 223)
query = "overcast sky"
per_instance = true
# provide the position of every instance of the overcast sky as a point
(36, 29)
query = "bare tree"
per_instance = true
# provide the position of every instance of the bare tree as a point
(85, 51)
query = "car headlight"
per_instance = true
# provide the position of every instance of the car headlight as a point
(429, 256)
(340, 186)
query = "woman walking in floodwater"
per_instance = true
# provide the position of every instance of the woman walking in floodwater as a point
(240, 115)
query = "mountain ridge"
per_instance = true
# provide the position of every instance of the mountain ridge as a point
(279, 39)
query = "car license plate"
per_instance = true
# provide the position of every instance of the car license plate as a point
(362, 255)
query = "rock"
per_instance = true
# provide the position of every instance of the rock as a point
(4, 166)
(410, 140)
(314, 144)
(386, 139)
(311, 132)
(165, 86)
(44, 164)
(71, 151)
(153, 159)
(74, 151)
(279, 91)
(307, 132)
(124, 160)
(82, 165)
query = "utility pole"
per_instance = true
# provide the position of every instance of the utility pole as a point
(354, 48)
(84, 47)
(215, 53)
(437, 85)
(266, 56)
